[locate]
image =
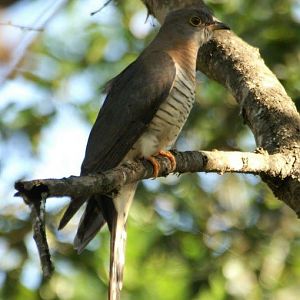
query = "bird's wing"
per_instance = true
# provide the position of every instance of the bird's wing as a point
(133, 98)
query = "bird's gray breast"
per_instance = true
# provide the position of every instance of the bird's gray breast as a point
(168, 121)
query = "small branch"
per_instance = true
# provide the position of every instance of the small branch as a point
(37, 206)
(99, 9)
(29, 38)
(21, 27)
(192, 161)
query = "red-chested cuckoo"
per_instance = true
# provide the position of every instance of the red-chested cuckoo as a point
(145, 109)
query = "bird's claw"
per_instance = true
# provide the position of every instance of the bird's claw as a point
(171, 158)
(155, 164)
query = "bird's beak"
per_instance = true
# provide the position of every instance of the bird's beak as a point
(218, 26)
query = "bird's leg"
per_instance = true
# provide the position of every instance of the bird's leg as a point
(171, 158)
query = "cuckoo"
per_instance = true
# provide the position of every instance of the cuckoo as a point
(144, 111)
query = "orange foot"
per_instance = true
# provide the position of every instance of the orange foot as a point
(171, 158)
(155, 164)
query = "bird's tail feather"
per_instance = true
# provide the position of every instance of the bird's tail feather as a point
(117, 257)
(73, 207)
(91, 222)
(121, 203)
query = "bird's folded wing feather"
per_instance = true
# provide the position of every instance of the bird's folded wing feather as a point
(133, 98)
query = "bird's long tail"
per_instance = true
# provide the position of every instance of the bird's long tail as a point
(117, 228)
(117, 257)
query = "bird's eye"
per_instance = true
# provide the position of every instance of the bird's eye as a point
(195, 21)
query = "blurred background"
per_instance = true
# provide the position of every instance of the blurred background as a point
(197, 236)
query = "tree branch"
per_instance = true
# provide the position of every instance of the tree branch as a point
(38, 216)
(35, 192)
(266, 108)
(192, 161)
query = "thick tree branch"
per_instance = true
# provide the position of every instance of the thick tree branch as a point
(266, 108)
(192, 161)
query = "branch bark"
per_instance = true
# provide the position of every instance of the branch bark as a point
(38, 215)
(265, 106)
(192, 161)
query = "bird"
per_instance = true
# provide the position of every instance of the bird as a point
(146, 106)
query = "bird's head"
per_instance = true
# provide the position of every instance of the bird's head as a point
(190, 23)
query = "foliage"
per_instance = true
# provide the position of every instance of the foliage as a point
(199, 236)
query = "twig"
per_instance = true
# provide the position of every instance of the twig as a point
(22, 27)
(37, 202)
(29, 37)
(98, 10)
